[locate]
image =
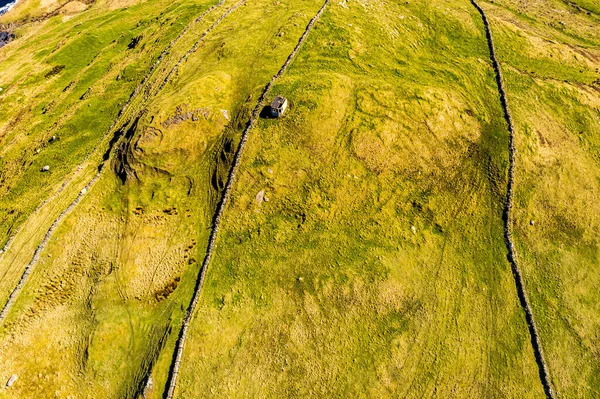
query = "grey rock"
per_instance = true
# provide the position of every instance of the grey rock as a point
(13, 378)
(5, 37)
(260, 197)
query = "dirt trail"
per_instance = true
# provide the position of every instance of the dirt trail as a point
(122, 118)
(172, 379)
(508, 214)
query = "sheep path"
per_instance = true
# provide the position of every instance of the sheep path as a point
(174, 371)
(124, 117)
(508, 215)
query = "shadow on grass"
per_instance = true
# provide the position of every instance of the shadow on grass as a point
(266, 113)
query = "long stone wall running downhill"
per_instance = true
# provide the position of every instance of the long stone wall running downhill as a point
(15, 293)
(172, 381)
(195, 46)
(28, 269)
(152, 69)
(508, 215)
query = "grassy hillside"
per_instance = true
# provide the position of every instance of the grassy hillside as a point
(362, 251)
(326, 290)
(554, 87)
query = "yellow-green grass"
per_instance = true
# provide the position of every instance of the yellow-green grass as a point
(554, 93)
(104, 287)
(324, 290)
(78, 103)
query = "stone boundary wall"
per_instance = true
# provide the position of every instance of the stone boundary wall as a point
(172, 379)
(36, 255)
(508, 215)
(28, 269)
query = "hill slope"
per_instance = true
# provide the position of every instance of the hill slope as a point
(361, 248)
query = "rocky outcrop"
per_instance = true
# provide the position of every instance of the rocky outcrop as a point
(116, 121)
(5, 37)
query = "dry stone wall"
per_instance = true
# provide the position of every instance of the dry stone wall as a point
(28, 269)
(36, 255)
(175, 367)
(508, 214)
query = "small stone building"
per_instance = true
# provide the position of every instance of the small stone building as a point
(278, 106)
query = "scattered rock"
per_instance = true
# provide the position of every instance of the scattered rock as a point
(266, 199)
(414, 229)
(38, 151)
(182, 114)
(13, 378)
(69, 86)
(300, 279)
(170, 211)
(148, 388)
(225, 114)
(134, 42)
(45, 168)
(83, 191)
(260, 197)
(532, 222)
(205, 111)
(270, 170)
(53, 139)
(5, 37)
(85, 95)
(54, 71)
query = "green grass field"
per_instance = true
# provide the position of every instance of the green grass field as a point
(362, 251)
